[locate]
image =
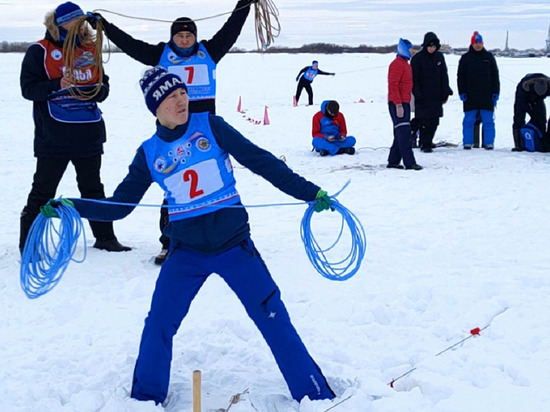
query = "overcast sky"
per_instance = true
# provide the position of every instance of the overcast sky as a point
(349, 22)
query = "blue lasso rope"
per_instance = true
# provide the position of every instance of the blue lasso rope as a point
(346, 267)
(49, 249)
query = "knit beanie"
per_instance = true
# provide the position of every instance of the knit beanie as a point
(67, 12)
(476, 38)
(157, 83)
(183, 24)
(314, 62)
(403, 49)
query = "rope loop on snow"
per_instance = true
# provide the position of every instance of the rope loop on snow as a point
(50, 247)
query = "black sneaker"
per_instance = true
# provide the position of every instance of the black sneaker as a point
(394, 166)
(161, 257)
(323, 152)
(414, 167)
(111, 245)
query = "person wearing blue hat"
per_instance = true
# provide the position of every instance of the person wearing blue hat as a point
(400, 85)
(66, 129)
(305, 78)
(479, 89)
(188, 157)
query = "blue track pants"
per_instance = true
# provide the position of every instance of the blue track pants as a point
(244, 271)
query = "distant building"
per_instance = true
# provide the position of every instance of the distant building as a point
(548, 40)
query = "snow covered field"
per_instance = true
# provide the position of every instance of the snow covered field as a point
(462, 244)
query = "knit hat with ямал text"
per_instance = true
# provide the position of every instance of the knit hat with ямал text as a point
(67, 12)
(183, 24)
(157, 83)
(476, 38)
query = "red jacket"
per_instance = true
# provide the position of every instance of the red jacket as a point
(339, 120)
(400, 81)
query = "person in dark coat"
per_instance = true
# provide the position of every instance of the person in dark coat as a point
(305, 78)
(431, 89)
(479, 90)
(66, 129)
(193, 61)
(399, 105)
(209, 233)
(530, 94)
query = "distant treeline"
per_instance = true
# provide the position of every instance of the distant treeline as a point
(325, 48)
(319, 48)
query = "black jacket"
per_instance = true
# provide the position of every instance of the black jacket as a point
(430, 80)
(528, 102)
(478, 78)
(217, 47)
(53, 138)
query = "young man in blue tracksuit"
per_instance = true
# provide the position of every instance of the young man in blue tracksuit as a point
(188, 157)
(305, 78)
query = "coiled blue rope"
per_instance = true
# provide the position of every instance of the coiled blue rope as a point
(50, 247)
(346, 267)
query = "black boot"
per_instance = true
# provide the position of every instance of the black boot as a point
(111, 245)
(26, 221)
(517, 141)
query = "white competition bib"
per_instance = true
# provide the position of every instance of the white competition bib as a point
(192, 75)
(195, 182)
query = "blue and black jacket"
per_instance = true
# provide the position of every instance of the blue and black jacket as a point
(214, 232)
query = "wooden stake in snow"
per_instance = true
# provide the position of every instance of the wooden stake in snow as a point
(197, 391)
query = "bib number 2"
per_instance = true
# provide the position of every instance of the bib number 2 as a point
(192, 176)
(195, 182)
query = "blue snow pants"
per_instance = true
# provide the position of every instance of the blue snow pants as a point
(488, 126)
(244, 271)
(332, 148)
(402, 145)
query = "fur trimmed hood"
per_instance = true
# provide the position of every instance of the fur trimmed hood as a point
(49, 22)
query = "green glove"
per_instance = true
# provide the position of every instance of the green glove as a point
(322, 201)
(48, 209)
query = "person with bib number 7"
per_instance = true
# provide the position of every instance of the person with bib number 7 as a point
(188, 157)
(192, 60)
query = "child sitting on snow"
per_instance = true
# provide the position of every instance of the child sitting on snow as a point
(329, 131)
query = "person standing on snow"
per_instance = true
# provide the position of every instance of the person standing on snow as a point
(306, 77)
(195, 62)
(399, 104)
(329, 131)
(430, 89)
(209, 232)
(479, 89)
(530, 94)
(66, 129)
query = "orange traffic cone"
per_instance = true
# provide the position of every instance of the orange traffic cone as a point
(361, 101)
(239, 105)
(294, 102)
(266, 117)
